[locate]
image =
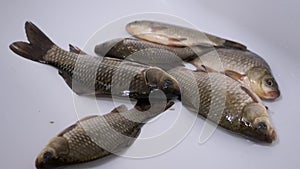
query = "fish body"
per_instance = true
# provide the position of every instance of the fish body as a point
(244, 66)
(165, 57)
(97, 136)
(225, 102)
(89, 75)
(174, 35)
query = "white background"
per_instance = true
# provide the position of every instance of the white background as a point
(33, 94)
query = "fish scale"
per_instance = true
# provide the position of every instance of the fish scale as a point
(223, 100)
(89, 75)
(232, 60)
(97, 136)
(100, 71)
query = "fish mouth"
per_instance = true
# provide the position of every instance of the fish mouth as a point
(40, 164)
(272, 136)
(271, 95)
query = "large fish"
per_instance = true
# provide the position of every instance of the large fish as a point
(244, 66)
(95, 75)
(97, 136)
(165, 57)
(225, 102)
(175, 35)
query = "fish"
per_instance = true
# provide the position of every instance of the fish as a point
(141, 51)
(243, 66)
(174, 35)
(98, 76)
(98, 136)
(225, 102)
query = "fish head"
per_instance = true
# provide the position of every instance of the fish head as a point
(263, 83)
(52, 155)
(257, 123)
(158, 79)
(139, 27)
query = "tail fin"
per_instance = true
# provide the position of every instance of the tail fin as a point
(38, 45)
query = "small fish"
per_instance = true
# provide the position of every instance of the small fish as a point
(97, 136)
(174, 35)
(225, 102)
(165, 57)
(88, 75)
(244, 66)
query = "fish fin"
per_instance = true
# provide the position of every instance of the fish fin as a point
(75, 125)
(251, 94)
(120, 109)
(134, 135)
(236, 45)
(158, 28)
(176, 41)
(234, 75)
(144, 104)
(67, 130)
(75, 49)
(39, 44)
(169, 105)
(87, 118)
(206, 69)
(74, 85)
(197, 63)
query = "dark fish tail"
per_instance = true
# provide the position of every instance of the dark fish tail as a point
(39, 44)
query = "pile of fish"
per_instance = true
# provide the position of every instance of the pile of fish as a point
(226, 86)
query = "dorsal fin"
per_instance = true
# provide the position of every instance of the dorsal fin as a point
(67, 130)
(75, 49)
(87, 117)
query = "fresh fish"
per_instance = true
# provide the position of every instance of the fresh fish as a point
(225, 102)
(175, 35)
(244, 66)
(97, 136)
(165, 57)
(88, 75)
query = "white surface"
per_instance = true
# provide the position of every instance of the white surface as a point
(33, 94)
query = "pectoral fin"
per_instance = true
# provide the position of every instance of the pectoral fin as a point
(251, 94)
(208, 69)
(177, 40)
(234, 75)
(156, 28)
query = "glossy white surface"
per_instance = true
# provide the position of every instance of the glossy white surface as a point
(33, 94)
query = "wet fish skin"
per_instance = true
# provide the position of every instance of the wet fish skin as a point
(88, 75)
(237, 107)
(97, 136)
(149, 53)
(175, 35)
(244, 66)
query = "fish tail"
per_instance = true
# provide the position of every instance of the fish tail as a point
(39, 44)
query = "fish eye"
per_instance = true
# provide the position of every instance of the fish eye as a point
(261, 126)
(167, 84)
(269, 82)
(47, 155)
